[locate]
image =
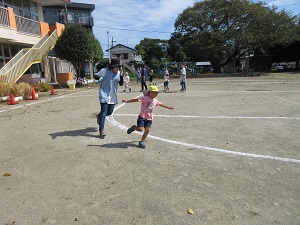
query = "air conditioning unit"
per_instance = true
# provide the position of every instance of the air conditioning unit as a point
(69, 17)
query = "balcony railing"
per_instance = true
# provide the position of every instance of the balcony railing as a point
(83, 20)
(28, 26)
(4, 20)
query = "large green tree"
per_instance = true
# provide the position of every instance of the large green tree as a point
(221, 30)
(152, 51)
(78, 45)
(288, 53)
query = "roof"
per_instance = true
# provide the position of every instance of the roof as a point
(120, 45)
(82, 6)
(54, 2)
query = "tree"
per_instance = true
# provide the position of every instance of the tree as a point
(222, 30)
(78, 45)
(288, 53)
(152, 50)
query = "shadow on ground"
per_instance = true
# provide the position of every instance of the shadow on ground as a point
(76, 133)
(123, 145)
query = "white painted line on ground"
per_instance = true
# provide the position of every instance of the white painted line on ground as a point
(250, 91)
(295, 103)
(251, 155)
(218, 117)
(41, 101)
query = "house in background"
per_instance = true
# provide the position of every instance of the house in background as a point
(25, 37)
(129, 55)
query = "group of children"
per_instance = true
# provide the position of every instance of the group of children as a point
(126, 80)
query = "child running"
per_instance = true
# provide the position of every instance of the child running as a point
(149, 102)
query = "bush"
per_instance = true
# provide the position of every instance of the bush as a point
(42, 87)
(24, 88)
(20, 89)
(4, 89)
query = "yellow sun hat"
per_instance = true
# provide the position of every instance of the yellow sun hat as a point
(153, 88)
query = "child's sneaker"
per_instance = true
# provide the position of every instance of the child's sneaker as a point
(142, 144)
(131, 129)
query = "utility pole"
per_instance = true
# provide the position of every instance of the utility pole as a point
(108, 47)
(112, 41)
(66, 14)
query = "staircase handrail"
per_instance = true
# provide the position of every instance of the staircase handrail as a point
(131, 69)
(18, 65)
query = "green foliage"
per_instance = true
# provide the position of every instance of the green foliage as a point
(152, 50)
(42, 87)
(221, 30)
(101, 64)
(78, 45)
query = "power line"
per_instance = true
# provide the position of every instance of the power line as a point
(148, 31)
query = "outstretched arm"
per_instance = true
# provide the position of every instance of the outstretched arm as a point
(131, 100)
(165, 106)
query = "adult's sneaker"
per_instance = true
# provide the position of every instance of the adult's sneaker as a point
(102, 134)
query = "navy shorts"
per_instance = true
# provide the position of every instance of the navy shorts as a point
(141, 122)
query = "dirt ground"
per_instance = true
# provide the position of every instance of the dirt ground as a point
(229, 152)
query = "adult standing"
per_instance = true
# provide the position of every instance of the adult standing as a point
(144, 76)
(183, 78)
(108, 91)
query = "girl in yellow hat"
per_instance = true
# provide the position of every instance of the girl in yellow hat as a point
(144, 121)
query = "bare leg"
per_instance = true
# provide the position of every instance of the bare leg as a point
(145, 134)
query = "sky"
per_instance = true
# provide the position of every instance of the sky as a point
(128, 22)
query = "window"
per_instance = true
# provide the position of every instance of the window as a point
(26, 5)
(9, 2)
(33, 7)
(6, 50)
(18, 3)
(14, 49)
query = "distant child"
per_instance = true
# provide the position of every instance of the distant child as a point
(166, 81)
(126, 80)
(149, 102)
(151, 78)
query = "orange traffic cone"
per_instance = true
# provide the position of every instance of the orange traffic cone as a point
(33, 97)
(52, 91)
(12, 100)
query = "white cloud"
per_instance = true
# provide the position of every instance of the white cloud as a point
(130, 21)
(284, 2)
(139, 18)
